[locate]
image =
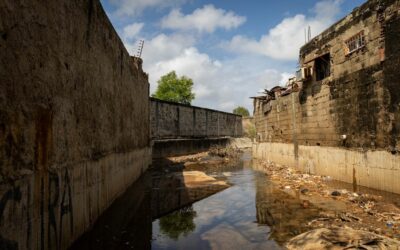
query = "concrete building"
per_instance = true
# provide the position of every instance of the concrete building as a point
(342, 116)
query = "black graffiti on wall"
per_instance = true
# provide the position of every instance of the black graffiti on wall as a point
(13, 194)
(57, 206)
(66, 206)
(55, 209)
(54, 194)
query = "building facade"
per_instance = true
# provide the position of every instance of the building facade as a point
(341, 116)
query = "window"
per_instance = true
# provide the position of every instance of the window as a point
(355, 43)
(322, 67)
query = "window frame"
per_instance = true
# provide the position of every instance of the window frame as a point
(357, 41)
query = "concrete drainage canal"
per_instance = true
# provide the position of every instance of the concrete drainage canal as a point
(221, 200)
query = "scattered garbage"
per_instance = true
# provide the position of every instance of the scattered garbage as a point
(341, 238)
(389, 224)
(304, 191)
(360, 211)
(348, 217)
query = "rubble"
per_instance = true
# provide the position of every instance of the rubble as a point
(340, 207)
(304, 191)
(225, 152)
(341, 238)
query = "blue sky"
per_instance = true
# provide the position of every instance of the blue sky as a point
(230, 48)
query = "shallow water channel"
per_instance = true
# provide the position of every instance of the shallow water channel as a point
(157, 213)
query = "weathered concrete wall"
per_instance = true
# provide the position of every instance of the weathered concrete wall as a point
(374, 169)
(278, 124)
(359, 97)
(174, 120)
(73, 126)
(130, 212)
(356, 107)
(178, 147)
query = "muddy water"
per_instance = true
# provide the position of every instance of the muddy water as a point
(251, 214)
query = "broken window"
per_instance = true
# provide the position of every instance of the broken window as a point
(355, 42)
(322, 67)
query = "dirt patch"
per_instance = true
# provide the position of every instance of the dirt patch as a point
(196, 179)
(215, 158)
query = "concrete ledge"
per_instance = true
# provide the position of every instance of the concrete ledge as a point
(373, 169)
(178, 147)
(50, 209)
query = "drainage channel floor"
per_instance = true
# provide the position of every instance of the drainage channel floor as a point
(157, 212)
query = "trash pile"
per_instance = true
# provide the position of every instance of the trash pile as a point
(341, 238)
(340, 207)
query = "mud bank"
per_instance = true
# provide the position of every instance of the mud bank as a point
(342, 205)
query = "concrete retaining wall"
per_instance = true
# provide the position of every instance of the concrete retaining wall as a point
(174, 120)
(374, 169)
(74, 120)
(178, 147)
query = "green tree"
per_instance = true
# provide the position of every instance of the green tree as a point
(174, 89)
(241, 111)
(178, 223)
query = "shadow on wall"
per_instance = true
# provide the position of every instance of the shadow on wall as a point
(162, 193)
(125, 224)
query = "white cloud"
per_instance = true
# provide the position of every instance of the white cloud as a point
(190, 62)
(206, 19)
(284, 40)
(165, 47)
(327, 9)
(218, 85)
(270, 78)
(132, 30)
(131, 8)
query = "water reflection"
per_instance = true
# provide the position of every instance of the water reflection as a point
(158, 213)
(178, 223)
(126, 224)
(226, 220)
(285, 214)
